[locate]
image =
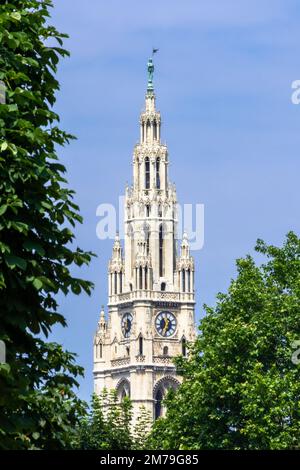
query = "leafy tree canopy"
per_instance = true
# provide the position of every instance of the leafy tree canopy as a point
(241, 386)
(37, 214)
(109, 425)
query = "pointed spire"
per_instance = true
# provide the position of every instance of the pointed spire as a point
(185, 246)
(117, 249)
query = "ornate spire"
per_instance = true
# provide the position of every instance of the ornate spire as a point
(185, 247)
(117, 249)
(102, 322)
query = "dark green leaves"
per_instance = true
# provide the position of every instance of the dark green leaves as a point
(38, 407)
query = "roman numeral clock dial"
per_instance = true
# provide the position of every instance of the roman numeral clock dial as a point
(165, 324)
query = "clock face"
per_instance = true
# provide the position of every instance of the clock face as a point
(165, 324)
(126, 324)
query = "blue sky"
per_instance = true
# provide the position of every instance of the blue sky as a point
(223, 84)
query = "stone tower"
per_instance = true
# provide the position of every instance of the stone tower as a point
(151, 287)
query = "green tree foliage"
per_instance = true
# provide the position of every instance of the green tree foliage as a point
(109, 425)
(141, 429)
(241, 387)
(37, 214)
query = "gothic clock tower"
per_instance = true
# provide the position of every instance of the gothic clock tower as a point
(151, 286)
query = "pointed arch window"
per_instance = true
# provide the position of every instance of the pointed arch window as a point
(165, 351)
(141, 277)
(157, 168)
(155, 129)
(189, 280)
(148, 210)
(147, 173)
(115, 282)
(183, 280)
(143, 131)
(146, 229)
(141, 346)
(121, 278)
(146, 277)
(158, 403)
(148, 127)
(161, 251)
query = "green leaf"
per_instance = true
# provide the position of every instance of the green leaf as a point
(16, 15)
(34, 246)
(37, 283)
(3, 209)
(12, 261)
(4, 146)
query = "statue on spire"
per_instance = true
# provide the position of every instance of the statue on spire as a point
(150, 67)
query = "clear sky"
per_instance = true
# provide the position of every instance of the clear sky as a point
(223, 84)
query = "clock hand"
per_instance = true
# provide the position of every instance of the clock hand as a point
(167, 321)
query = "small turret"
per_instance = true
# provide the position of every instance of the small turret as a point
(116, 269)
(102, 322)
(185, 267)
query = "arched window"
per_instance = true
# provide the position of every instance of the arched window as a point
(123, 389)
(146, 277)
(141, 277)
(116, 282)
(183, 347)
(157, 173)
(121, 275)
(155, 129)
(160, 212)
(165, 351)
(127, 350)
(159, 392)
(147, 173)
(100, 350)
(189, 280)
(183, 280)
(158, 403)
(161, 251)
(130, 286)
(148, 210)
(148, 127)
(163, 286)
(141, 349)
(147, 237)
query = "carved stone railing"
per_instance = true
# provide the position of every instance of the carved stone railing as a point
(152, 295)
(122, 361)
(140, 358)
(162, 360)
